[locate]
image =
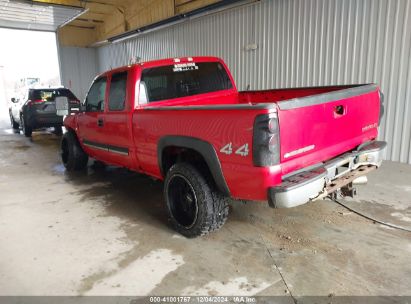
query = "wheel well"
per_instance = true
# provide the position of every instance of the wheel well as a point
(69, 130)
(200, 154)
(172, 155)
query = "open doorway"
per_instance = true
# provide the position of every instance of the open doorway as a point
(27, 58)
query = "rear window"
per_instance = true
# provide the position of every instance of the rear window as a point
(183, 79)
(50, 94)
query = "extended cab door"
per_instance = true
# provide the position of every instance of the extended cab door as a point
(117, 119)
(91, 122)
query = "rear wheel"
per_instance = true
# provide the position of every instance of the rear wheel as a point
(72, 155)
(194, 207)
(13, 123)
(26, 129)
(99, 165)
(58, 130)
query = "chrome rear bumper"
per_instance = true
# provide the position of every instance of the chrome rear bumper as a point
(318, 181)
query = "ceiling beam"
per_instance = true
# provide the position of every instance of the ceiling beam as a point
(94, 16)
(109, 18)
(81, 26)
(89, 20)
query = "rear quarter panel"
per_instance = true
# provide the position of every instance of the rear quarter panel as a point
(217, 127)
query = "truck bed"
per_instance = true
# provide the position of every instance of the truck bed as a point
(277, 95)
(311, 128)
(319, 123)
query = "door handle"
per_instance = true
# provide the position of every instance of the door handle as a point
(100, 122)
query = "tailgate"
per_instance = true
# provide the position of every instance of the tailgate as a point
(316, 128)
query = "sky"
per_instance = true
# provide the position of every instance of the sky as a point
(25, 54)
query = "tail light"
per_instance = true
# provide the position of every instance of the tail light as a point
(266, 140)
(36, 101)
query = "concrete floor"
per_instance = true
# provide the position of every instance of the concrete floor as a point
(105, 232)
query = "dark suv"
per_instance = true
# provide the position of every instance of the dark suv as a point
(38, 110)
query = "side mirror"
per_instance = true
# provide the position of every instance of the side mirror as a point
(62, 106)
(77, 108)
(13, 100)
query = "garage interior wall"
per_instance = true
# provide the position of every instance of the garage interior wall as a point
(299, 43)
(78, 67)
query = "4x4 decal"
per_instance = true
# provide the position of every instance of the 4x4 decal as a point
(228, 149)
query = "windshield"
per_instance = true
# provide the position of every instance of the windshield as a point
(184, 79)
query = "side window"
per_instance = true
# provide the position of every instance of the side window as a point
(95, 96)
(117, 97)
(143, 94)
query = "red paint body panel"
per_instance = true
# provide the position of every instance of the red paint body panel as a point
(218, 127)
(140, 127)
(330, 135)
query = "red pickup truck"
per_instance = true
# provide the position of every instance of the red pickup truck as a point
(183, 121)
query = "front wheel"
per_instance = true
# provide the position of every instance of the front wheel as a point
(72, 155)
(194, 207)
(13, 123)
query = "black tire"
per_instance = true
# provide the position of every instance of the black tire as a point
(99, 165)
(194, 207)
(26, 129)
(13, 123)
(73, 156)
(58, 130)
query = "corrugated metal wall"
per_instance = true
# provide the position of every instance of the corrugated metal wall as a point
(78, 68)
(300, 43)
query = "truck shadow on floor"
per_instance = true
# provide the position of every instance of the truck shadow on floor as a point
(126, 194)
(133, 197)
